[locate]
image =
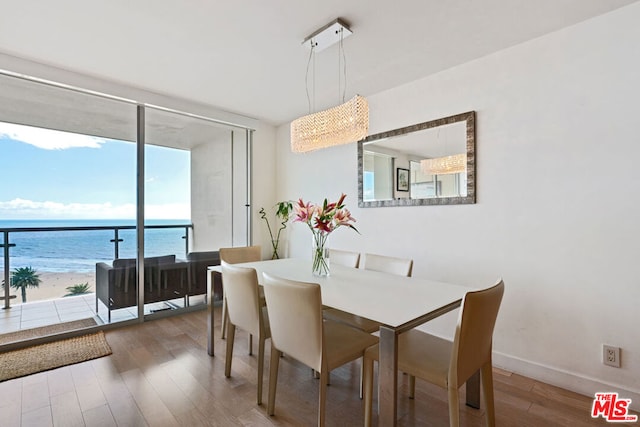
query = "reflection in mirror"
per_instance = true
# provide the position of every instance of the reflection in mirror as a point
(424, 164)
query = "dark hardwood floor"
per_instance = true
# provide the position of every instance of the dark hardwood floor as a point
(160, 375)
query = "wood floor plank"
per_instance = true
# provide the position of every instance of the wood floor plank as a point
(87, 386)
(66, 411)
(35, 392)
(168, 391)
(40, 417)
(60, 381)
(10, 412)
(90, 397)
(99, 416)
(152, 407)
(126, 413)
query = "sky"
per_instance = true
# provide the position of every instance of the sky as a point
(49, 174)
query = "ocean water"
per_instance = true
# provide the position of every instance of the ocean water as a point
(60, 251)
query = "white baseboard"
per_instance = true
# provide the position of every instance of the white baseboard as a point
(563, 379)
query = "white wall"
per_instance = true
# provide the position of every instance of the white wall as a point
(557, 208)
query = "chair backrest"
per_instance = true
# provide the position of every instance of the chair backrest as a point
(472, 342)
(128, 266)
(387, 264)
(295, 318)
(243, 300)
(204, 256)
(344, 258)
(124, 262)
(241, 254)
(148, 262)
(199, 263)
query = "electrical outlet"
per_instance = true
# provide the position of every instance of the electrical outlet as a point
(611, 356)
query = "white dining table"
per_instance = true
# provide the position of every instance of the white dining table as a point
(398, 303)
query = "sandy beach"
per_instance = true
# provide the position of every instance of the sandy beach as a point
(53, 286)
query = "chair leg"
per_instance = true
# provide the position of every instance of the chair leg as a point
(322, 396)
(454, 412)
(273, 379)
(225, 318)
(412, 387)
(260, 367)
(361, 377)
(367, 385)
(250, 345)
(230, 340)
(486, 374)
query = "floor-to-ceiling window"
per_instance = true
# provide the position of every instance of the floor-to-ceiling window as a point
(75, 175)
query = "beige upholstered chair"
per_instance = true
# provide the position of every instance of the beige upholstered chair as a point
(387, 264)
(297, 329)
(241, 254)
(344, 258)
(235, 256)
(245, 312)
(445, 363)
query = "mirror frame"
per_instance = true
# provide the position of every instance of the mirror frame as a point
(470, 119)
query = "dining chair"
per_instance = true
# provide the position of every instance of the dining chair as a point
(448, 364)
(246, 312)
(298, 330)
(234, 256)
(344, 258)
(388, 264)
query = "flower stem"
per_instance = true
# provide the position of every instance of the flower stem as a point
(320, 266)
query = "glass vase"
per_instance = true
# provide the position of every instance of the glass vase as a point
(320, 254)
(279, 249)
(275, 245)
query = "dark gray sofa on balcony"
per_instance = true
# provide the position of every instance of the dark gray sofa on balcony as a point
(165, 279)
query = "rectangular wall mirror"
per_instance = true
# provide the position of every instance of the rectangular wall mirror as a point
(429, 163)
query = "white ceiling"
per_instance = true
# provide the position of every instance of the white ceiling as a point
(246, 56)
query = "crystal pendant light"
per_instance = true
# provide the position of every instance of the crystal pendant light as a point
(444, 165)
(343, 124)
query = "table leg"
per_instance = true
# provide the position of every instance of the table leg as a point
(388, 377)
(473, 390)
(210, 323)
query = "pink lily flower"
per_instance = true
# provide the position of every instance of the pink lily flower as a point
(323, 218)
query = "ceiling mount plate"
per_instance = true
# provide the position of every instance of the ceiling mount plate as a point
(327, 35)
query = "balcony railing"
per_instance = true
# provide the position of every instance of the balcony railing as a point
(116, 231)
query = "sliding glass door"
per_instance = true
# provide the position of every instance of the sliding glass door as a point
(67, 204)
(195, 172)
(111, 200)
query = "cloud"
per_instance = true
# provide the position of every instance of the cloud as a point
(28, 209)
(48, 139)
